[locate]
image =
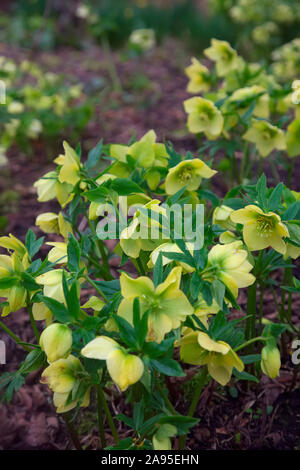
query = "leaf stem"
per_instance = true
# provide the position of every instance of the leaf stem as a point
(109, 417)
(202, 381)
(100, 419)
(14, 337)
(72, 431)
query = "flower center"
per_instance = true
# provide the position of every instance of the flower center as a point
(186, 174)
(265, 226)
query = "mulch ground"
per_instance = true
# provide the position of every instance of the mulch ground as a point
(256, 417)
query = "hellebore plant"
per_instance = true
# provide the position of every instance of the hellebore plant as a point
(122, 321)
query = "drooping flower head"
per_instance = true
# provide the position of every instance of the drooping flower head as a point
(265, 136)
(199, 77)
(198, 348)
(224, 55)
(125, 369)
(229, 264)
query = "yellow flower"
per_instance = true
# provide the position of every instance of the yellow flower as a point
(143, 233)
(229, 264)
(49, 222)
(225, 57)
(270, 360)
(199, 77)
(221, 216)
(198, 348)
(204, 116)
(161, 439)
(58, 254)
(293, 138)
(11, 269)
(125, 369)
(146, 152)
(292, 251)
(56, 342)
(41, 312)
(94, 303)
(62, 377)
(167, 303)
(261, 230)
(52, 282)
(71, 167)
(170, 248)
(187, 173)
(10, 242)
(265, 136)
(48, 187)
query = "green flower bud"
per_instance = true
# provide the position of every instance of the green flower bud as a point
(56, 341)
(270, 360)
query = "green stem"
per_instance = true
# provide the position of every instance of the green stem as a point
(261, 303)
(251, 341)
(166, 399)
(72, 431)
(193, 406)
(108, 415)
(251, 311)
(14, 337)
(140, 267)
(96, 288)
(32, 320)
(100, 419)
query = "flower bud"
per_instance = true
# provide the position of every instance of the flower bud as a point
(270, 360)
(56, 341)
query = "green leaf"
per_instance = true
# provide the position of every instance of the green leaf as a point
(218, 292)
(182, 423)
(294, 230)
(32, 243)
(73, 251)
(275, 198)
(60, 312)
(29, 282)
(158, 271)
(97, 195)
(94, 155)
(244, 376)
(8, 282)
(125, 187)
(33, 361)
(261, 188)
(127, 333)
(168, 367)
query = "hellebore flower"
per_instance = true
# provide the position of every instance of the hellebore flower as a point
(204, 116)
(167, 303)
(49, 222)
(198, 348)
(293, 138)
(224, 55)
(161, 439)
(11, 269)
(56, 341)
(229, 264)
(221, 216)
(265, 136)
(270, 360)
(62, 377)
(199, 77)
(59, 253)
(125, 369)
(261, 230)
(52, 282)
(170, 248)
(144, 232)
(146, 152)
(71, 167)
(143, 38)
(187, 173)
(49, 187)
